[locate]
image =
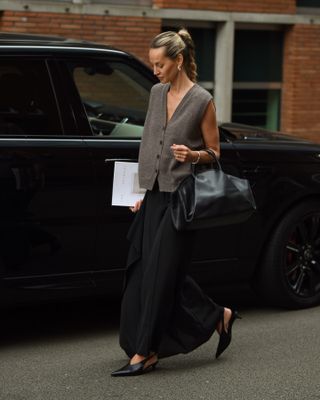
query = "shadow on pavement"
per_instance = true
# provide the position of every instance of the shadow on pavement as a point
(71, 319)
(58, 320)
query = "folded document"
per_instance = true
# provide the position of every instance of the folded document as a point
(126, 190)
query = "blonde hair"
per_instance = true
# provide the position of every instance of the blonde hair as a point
(176, 43)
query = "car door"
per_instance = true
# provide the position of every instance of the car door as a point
(113, 92)
(47, 197)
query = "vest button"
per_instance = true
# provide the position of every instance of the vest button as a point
(158, 156)
(161, 142)
(156, 171)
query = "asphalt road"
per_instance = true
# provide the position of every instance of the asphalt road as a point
(67, 351)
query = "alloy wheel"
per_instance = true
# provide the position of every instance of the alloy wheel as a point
(302, 257)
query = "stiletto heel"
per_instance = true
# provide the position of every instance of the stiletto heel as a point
(225, 336)
(135, 369)
(153, 366)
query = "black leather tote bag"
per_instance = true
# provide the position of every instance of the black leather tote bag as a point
(209, 197)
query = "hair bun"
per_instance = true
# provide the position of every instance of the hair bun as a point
(186, 37)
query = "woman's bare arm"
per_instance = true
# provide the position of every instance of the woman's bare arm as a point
(210, 134)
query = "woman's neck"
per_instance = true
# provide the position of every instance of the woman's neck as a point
(181, 83)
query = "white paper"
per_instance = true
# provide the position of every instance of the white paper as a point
(126, 190)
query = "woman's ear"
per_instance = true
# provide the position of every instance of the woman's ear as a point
(179, 59)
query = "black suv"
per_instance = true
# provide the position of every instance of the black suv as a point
(68, 110)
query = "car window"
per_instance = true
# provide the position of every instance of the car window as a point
(115, 97)
(27, 102)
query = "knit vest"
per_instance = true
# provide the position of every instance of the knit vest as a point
(156, 158)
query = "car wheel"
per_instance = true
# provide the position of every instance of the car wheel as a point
(290, 271)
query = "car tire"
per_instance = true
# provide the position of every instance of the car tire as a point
(290, 269)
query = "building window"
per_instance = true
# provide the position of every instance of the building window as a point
(204, 40)
(258, 107)
(308, 6)
(257, 78)
(308, 3)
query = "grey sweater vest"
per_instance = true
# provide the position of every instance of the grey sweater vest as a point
(156, 159)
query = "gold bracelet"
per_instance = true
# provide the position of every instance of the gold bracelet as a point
(197, 160)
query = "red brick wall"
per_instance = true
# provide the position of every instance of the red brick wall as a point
(301, 81)
(132, 34)
(269, 6)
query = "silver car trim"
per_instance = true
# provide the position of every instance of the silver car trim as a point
(60, 48)
(70, 140)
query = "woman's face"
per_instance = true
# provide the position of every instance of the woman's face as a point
(164, 68)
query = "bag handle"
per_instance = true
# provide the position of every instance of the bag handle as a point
(193, 169)
(214, 161)
(213, 155)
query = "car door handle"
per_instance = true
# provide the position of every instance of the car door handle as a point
(108, 160)
(257, 171)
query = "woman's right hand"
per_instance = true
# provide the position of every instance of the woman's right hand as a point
(136, 207)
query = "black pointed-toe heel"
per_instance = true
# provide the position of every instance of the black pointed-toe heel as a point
(135, 369)
(225, 336)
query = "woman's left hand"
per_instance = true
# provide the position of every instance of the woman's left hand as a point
(182, 153)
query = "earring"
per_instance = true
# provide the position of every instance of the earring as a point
(179, 67)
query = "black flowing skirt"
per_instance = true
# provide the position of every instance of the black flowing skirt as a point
(163, 310)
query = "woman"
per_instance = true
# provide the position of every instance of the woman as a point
(164, 312)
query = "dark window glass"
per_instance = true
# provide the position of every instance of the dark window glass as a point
(115, 97)
(204, 40)
(308, 3)
(27, 102)
(257, 107)
(258, 56)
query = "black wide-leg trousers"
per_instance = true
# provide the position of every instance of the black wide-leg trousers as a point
(163, 310)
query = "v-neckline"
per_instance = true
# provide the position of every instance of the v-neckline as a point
(178, 106)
